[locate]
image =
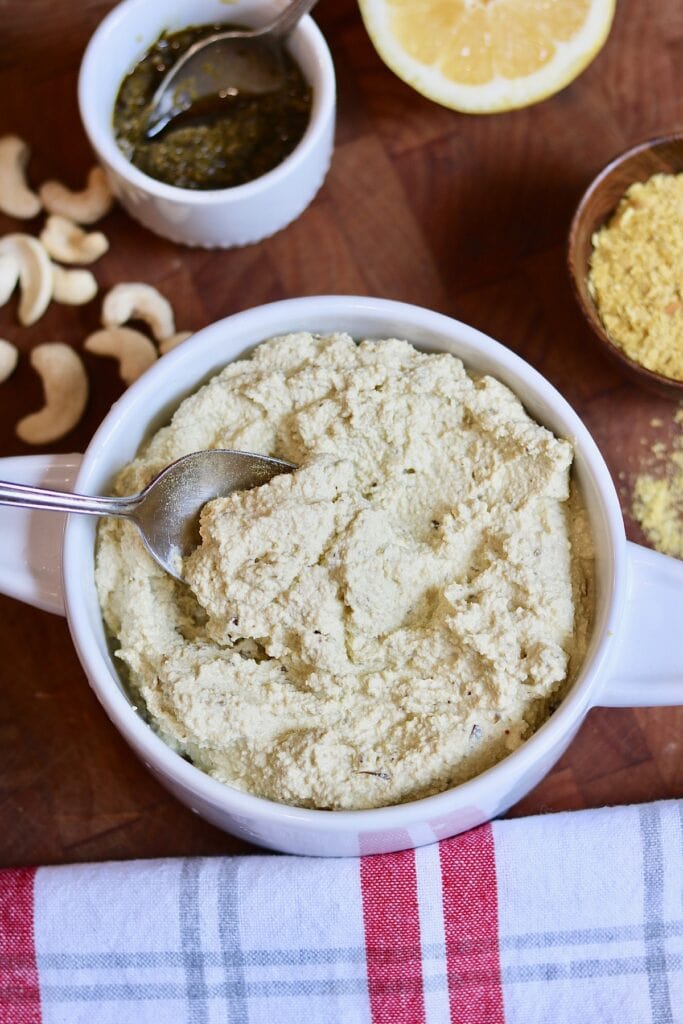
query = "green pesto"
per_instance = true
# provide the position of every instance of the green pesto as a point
(221, 145)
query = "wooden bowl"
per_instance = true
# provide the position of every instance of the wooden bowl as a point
(599, 201)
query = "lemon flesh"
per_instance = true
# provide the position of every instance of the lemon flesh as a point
(484, 56)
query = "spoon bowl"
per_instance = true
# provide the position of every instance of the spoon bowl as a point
(167, 511)
(223, 66)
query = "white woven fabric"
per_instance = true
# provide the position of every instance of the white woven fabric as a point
(564, 918)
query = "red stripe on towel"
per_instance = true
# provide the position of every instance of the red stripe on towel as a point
(19, 989)
(392, 938)
(470, 907)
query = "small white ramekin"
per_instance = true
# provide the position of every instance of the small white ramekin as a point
(217, 218)
(635, 655)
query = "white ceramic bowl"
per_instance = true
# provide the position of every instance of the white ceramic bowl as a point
(635, 655)
(221, 217)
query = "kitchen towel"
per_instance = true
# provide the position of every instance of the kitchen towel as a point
(568, 918)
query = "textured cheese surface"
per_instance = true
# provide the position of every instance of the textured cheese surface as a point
(387, 621)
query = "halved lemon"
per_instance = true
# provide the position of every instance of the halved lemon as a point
(484, 56)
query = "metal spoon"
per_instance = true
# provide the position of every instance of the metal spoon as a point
(225, 65)
(167, 512)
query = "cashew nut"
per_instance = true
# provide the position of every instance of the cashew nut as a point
(85, 207)
(16, 198)
(9, 275)
(134, 351)
(133, 301)
(9, 357)
(68, 243)
(66, 393)
(166, 344)
(73, 287)
(34, 275)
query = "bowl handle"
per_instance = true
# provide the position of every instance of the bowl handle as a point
(31, 541)
(648, 670)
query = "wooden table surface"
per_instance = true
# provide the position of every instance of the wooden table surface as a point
(465, 215)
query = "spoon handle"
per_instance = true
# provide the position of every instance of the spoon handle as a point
(289, 18)
(22, 496)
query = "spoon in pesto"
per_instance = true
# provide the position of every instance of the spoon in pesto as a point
(167, 511)
(225, 65)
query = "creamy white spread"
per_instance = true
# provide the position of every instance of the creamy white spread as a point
(385, 622)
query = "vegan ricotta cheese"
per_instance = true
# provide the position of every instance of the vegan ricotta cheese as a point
(387, 621)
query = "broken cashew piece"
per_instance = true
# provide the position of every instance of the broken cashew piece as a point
(16, 198)
(65, 384)
(134, 351)
(73, 287)
(84, 207)
(134, 301)
(9, 357)
(33, 271)
(68, 243)
(166, 344)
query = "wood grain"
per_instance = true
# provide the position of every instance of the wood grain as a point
(467, 215)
